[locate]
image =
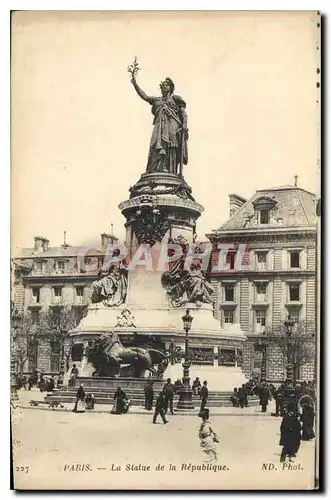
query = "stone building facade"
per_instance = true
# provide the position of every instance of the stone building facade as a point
(265, 270)
(46, 278)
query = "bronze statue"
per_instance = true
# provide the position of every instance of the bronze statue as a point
(168, 145)
(108, 354)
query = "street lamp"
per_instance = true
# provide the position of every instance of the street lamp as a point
(263, 343)
(185, 397)
(289, 324)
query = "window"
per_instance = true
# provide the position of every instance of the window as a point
(56, 317)
(60, 266)
(264, 216)
(261, 292)
(57, 294)
(229, 293)
(294, 314)
(230, 260)
(55, 356)
(295, 259)
(261, 260)
(39, 267)
(80, 294)
(36, 295)
(35, 317)
(294, 292)
(228, 316)
(260, 317)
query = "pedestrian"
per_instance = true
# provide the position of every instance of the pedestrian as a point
(264, 397)
(307, 418)
(149, 396)
(203, 395)
(196, 386)
(160, 406)
(242, 396)
(80, 400)
(42, 383)
(121, 404)
(279, 400)
(73, 375)
(89, 401)
(208, 437)
(169, 391)
(290, 434)
(234, 398)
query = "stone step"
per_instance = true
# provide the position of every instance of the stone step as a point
(134, 395)
(129, 390)
(138, 402)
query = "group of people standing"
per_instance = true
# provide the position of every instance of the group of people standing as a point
(165, 399)
(295, 403)
(38, 380)
(296, 426)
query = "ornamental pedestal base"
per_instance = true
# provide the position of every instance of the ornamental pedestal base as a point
(185, 395)
(185, 400)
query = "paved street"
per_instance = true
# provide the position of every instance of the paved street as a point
(48, 442)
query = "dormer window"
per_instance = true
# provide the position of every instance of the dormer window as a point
(60, 266)
(264, 217)
(264, 209)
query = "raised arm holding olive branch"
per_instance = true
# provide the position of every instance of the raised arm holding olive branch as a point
(168, 145)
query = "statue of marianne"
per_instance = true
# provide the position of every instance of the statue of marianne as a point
(168, 146)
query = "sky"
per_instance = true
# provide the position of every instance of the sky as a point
(80, 134)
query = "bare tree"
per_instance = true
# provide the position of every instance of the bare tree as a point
(58, 325)
(22, 331)
(52, 325)
(297, 344)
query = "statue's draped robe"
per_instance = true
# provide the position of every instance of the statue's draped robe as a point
(166, 146)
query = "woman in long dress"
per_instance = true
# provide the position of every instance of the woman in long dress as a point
(80, 400)
(168, 145)
(208, 437)
(307, 418)
(121, 404)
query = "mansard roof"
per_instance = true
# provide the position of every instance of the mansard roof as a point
(290, 207)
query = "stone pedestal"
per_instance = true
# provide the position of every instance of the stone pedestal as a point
(161, 207)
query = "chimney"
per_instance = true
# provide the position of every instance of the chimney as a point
(235, 202)
(41, 244)
(65, 244)
(107, 239)
(296, 181)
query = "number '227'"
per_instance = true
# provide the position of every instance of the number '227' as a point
(25, 469)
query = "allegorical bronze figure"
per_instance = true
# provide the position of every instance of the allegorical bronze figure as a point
(168, 145)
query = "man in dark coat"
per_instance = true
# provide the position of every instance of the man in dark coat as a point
(160, 406)
(234, 398)
(203, 395)
(169, 391)
(279, 400)
(264, 397)
(290, 434)
(242, 396)
(149, 395)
